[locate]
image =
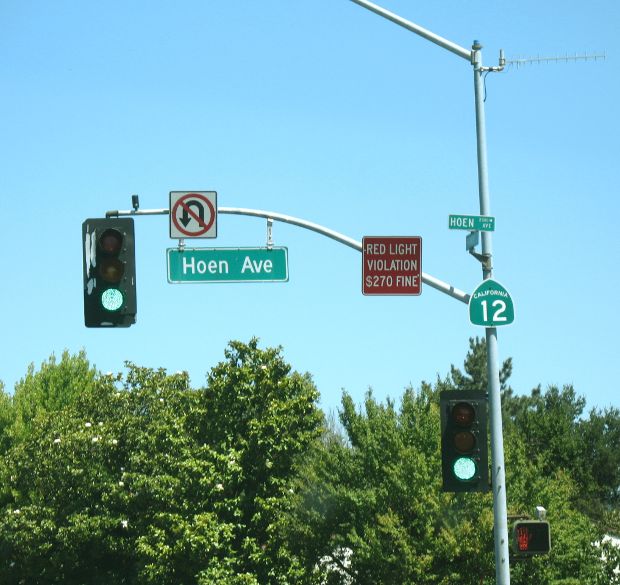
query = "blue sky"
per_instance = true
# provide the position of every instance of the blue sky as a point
(323, 111)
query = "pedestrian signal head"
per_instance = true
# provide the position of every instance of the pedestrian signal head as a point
(531, 537)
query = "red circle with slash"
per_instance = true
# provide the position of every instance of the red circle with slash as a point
(189, 215)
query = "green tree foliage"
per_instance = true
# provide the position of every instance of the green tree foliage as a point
(558, 436)
(568, 464)
(475, 375)
(140, 479)
(55, 385)
(7, 416)
(375, 492)
(266, 417)
(370, 509)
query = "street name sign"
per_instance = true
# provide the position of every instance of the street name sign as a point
(490, 305)
(392, 265)
(481, 223)
(193, 214)
(197, 265)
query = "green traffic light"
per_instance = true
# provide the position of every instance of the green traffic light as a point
(464, 452)
(112, 299)
(464, 468)
(109, 271)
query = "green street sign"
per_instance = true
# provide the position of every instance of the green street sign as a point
(473, 223)
(490, 305)
(227, 265)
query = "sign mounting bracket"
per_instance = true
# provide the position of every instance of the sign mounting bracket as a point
(269, 233)
(484, 259)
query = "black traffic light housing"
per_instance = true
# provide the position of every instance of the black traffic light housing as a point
(464, 450)
(531, 537)
(109, 267)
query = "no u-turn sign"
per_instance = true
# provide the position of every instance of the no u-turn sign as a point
(193, 214)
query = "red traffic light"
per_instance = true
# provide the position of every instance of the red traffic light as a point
(463, 414)
(111, 241)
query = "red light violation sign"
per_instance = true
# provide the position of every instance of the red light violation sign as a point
(392, 265)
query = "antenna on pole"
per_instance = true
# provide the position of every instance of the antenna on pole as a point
(556, 59)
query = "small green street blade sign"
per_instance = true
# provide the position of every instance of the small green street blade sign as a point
(480, 223)
(227, 265)
(490, 305)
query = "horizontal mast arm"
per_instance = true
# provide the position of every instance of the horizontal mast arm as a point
(435, 283)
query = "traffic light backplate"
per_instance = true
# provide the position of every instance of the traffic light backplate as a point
(109, 269)
(464, 451)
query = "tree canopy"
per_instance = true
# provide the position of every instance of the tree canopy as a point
(140, 478)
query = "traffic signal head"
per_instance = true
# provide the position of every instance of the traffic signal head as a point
(531, 537)
(464, 452)
(109, 272)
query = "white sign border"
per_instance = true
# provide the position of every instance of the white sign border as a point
(174, 230)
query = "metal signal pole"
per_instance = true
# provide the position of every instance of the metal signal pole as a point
(498, 476)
